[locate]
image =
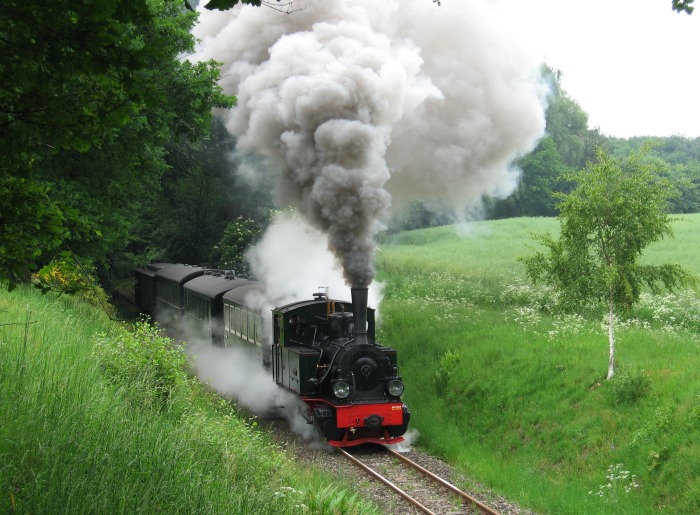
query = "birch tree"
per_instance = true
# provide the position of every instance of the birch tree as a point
(615, 211)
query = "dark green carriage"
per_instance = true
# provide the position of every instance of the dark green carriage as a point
(170, 295)
(203, 299)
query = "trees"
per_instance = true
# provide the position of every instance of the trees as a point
(567, 145)
(222, 5)
(679, 160)
(238, 237)
(96, 89)
(83, 70)
(541, 177)
(683, 6)
(613, 214)
(200, 193)
(567, 124)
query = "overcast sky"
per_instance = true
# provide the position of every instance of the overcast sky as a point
(630, 64)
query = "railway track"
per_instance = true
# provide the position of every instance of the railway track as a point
(425, 491)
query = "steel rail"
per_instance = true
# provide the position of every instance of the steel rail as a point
(450, 486)
(388, 483)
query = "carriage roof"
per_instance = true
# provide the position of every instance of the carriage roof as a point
(212, 285)
(311, 302)
(151, 269)
(238, 295)
(179, 273)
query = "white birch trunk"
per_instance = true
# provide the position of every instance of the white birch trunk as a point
(611, 339)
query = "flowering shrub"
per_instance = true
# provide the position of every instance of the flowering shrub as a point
(61, 276)
(64, 276)
(528, 305)
(619, 481)
(537, 308)
(238, 236)
(672, 312)
(517, 292)
(440, 289)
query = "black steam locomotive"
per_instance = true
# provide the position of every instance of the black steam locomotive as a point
(322, 350)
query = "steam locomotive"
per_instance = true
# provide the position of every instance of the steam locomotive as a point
(320, 349)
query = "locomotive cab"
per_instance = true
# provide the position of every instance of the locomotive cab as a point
(341, 325)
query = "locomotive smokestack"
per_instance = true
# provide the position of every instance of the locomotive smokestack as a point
(359, 311)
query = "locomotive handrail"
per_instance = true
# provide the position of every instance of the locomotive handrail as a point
(330, 367)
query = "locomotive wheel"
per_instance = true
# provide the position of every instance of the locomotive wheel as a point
(325, 421)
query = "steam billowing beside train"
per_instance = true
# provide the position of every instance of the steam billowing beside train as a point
(322, 350)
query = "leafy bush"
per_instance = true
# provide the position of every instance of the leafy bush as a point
(657, 458)
(443, 375)
(627, 388)
(654, 427)
(151, 365)
(693, 421)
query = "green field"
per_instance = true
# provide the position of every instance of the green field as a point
(95, 419)
(516, 396)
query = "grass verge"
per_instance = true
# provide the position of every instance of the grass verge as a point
(92, 428)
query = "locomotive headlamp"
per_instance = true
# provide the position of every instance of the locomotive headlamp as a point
(341, 389)
(395, 387)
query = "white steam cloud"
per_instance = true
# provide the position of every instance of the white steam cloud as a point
(363, 104)
(235, 372)
(293, 262)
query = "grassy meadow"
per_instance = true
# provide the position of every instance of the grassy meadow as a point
(517, 397)
(98, 418)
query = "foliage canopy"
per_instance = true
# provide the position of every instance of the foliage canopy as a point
(97, 88)
(683, 6)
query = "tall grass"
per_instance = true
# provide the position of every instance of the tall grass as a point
(516, 395)
(74, 440)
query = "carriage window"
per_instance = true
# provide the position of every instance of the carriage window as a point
(168, 293)
(237, 320)
(244, 324)
(258, 328)
(277, 329)
(197, 307)
(251, 326)
(297, 325)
